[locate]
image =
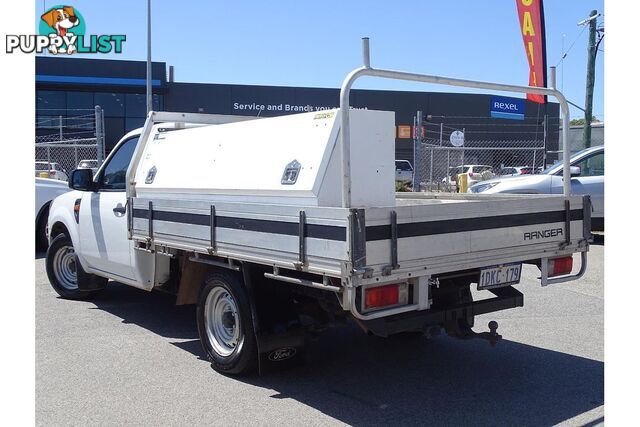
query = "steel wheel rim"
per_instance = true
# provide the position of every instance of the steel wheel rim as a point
(222, 322)
(64, 267)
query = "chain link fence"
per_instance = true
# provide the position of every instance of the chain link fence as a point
(437, 166)
(482, 147)
(64, 140)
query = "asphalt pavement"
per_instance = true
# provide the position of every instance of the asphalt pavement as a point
(133, 358)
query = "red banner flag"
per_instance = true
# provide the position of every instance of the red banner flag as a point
(531, 15)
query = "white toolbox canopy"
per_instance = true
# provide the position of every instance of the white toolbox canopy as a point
(292, 160)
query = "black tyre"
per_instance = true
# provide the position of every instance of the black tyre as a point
(225, 324)
(41, 230)
(63, 270)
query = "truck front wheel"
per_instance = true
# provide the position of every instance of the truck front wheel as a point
(225, 324)
(64, 270)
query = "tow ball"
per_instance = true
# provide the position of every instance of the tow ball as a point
(492, 336)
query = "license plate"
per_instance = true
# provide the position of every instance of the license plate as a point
(500, 275)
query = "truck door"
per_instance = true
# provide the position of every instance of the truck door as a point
(103, 218)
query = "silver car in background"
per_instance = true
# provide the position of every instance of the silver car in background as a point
(587, 177)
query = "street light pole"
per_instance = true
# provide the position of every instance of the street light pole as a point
(149, 93)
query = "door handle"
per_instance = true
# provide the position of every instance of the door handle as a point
(120, 210)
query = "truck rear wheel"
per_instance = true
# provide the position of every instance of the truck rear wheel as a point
(64, 270)
(225, 324)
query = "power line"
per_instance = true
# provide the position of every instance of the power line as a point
(564, 55)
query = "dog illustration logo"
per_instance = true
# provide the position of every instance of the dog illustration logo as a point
(62, 29)
(62, 20)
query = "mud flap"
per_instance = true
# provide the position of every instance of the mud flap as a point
(280, 350)
(280, 337)
(88, 282)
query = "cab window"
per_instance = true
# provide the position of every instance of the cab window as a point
(115, 172)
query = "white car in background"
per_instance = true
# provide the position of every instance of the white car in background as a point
(404, 171)
(46, 191)
(51, 170)
(88, 164)
(475, 172)
(518, 170)
(587, 177)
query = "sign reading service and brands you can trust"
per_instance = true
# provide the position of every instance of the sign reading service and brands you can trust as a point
(62, 30)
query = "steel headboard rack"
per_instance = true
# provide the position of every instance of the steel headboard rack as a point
(367, 70)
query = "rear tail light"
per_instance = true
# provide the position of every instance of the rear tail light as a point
(52, 173)
(386, 296)
(560, 266)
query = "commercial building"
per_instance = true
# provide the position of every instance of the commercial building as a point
(576, 136)
(65, 86)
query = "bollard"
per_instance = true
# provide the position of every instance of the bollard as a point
(463, 182)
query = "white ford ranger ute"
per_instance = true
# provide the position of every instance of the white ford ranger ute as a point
(278, 226)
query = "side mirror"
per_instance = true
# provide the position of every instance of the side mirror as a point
(575, 171)
(82, 180)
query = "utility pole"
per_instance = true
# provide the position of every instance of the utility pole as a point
(591, 74)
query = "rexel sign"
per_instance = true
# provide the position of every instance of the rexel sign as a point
(507, 108)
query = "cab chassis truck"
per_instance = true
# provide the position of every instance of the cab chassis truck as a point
(276, 227)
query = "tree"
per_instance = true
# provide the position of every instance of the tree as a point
(580, 122)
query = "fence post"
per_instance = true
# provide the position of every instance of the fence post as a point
(417, 167)
(465, 140)
(99, 135)
(534, 162)
(431, 169)
(60, 126)
(448, 167)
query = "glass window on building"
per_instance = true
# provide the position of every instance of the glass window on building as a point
(51, 102)
(79, 101)
(113, 131)
(48, 122)
(158, 103)
(132, 123)
(111, 103)
(136, 105)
